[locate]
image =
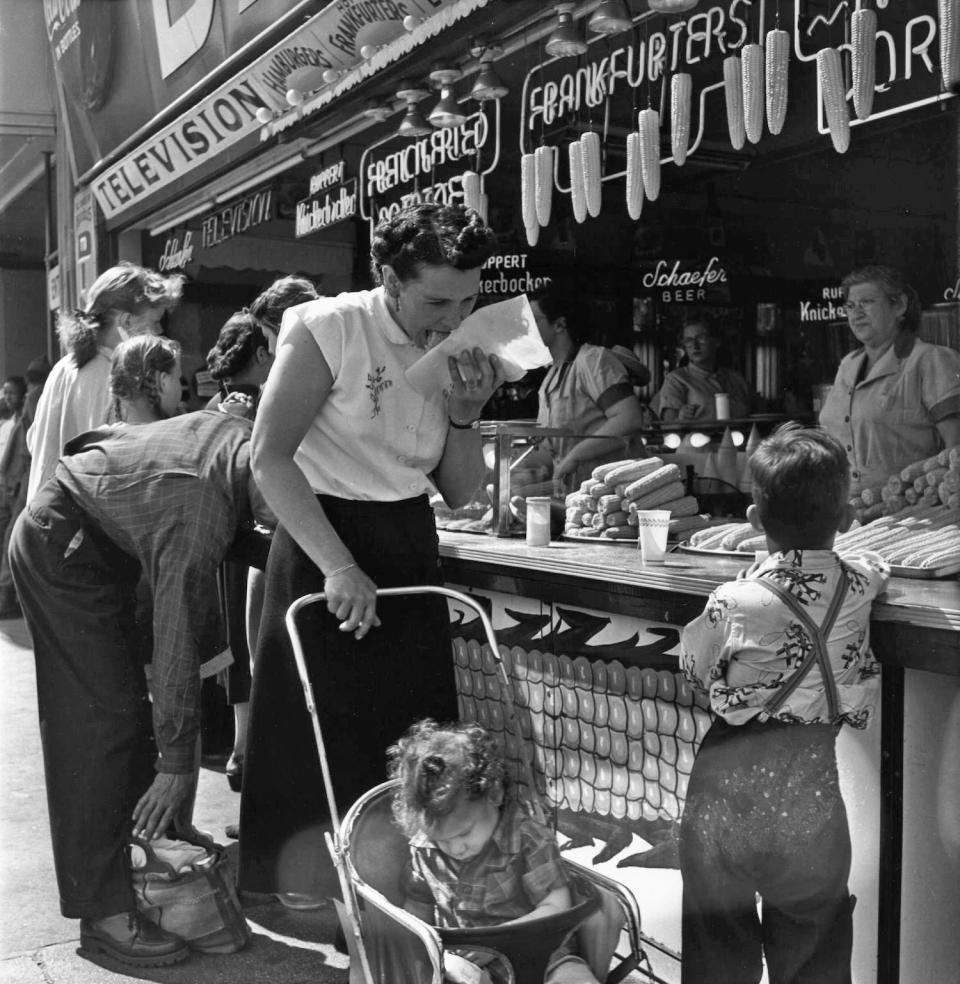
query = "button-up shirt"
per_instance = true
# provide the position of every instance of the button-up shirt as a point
(747, 643)
(888, 419)
(699, 387)
(170, 494)
(516, 870)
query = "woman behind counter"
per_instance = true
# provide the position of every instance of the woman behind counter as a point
(895, 399)
(587, 390)
(347, 452)
(689, 392)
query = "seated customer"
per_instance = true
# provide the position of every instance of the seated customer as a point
(477, 859)
(689, 392)
(764, 814)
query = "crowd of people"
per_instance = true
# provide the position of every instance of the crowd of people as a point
(118, 512)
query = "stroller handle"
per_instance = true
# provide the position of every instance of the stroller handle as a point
(419, 589)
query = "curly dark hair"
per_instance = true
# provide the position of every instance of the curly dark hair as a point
(800, 484)
(134, 368)
(431, 234)
(436, 764)
(268, 306)
(125, 287)
(239, 339)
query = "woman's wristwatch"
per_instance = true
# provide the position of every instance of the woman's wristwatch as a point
(469, 425)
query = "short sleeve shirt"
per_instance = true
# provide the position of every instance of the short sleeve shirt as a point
(693, 385)
(747, 643)
(577, 394)
(516, 870)
(889, 419)
(375, 438)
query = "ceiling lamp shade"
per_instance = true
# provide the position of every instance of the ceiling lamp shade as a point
(671, 6)
(611, 17)
(447, 112)
(413, 124)
(488, 85)
(375, 109)
(566, 39)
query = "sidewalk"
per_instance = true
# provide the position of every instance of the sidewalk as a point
(38, 946)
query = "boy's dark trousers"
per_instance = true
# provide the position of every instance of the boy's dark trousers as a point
(764, 815)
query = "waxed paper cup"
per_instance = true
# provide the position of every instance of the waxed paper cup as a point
(652, 527)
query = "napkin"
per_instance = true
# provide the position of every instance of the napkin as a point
(506, 329)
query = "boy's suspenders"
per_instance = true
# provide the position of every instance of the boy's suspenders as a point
(818, 654)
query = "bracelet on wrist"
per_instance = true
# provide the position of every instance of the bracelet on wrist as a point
(469, 425)
(340, 570)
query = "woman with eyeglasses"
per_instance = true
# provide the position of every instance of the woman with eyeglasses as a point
(895, 399)
(689, 392)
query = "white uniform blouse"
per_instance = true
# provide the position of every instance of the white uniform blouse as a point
(375, 438)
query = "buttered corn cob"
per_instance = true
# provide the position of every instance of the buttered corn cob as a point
(776, 69)
(733, 95)
(863, 55)
(590, 159)
(648, 126)
(681, 87)
(830, 72)
(543, 182)
(578, 195)
(634, 177)
(528, 198)
(471, 190)
(751, 66)
(949, 33)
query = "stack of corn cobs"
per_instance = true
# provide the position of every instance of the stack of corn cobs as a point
(606, 504)
(755, 81)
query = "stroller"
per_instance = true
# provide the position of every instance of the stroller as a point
(391, 946)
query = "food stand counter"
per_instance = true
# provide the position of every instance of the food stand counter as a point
(591, 637)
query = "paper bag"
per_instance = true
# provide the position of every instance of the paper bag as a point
(506, 329)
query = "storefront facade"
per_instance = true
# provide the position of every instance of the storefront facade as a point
(244, 141)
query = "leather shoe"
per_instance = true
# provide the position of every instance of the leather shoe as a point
(234, 772)
(131, 940)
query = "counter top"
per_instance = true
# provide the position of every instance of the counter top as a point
(929, 603)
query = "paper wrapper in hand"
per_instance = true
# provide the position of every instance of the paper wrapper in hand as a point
(506, 329)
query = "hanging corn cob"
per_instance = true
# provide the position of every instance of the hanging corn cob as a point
(528, 198)
(949, 28)
(471, 190)
(634, 177)
(751, 64)
(578, 195)
(543, 182)
(681, 86)
(830, 72)
(863, 55)
(484, 208)
(733, 94)
(777, 71)
(648, 124)
(590, 159)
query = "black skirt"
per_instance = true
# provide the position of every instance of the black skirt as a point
(367, 692)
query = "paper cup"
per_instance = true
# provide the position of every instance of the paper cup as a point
(653, 526)
(722, 406)
(538, 521)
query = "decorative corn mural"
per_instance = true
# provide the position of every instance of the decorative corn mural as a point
(733, 95)
(863, 55)
(528, 198)
(648, 125)
(830, 73)
(949, 15)
(471, 190)
(776, 69)
(681, 87)
(543, 182)
(578, 194)
(634, 177)
(751, 65)
(590, 160)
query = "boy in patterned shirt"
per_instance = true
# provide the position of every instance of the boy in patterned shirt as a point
(783, 655)
(478, 860)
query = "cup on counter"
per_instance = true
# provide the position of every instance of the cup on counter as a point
(653, 526)
(538, 520)
(722, 405)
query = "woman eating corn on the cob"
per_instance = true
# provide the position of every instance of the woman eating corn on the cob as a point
(348, 451)
(895, 398)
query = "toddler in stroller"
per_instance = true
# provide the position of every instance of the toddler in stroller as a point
(477, 859)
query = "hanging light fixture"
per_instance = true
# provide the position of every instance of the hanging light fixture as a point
(488, 84)
(447, 112)
(264, 115)
(611, 17)
(413, 123)
(671, 6)
(377, 109)
(565, 39)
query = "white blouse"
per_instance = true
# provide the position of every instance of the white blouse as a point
(375, 438)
